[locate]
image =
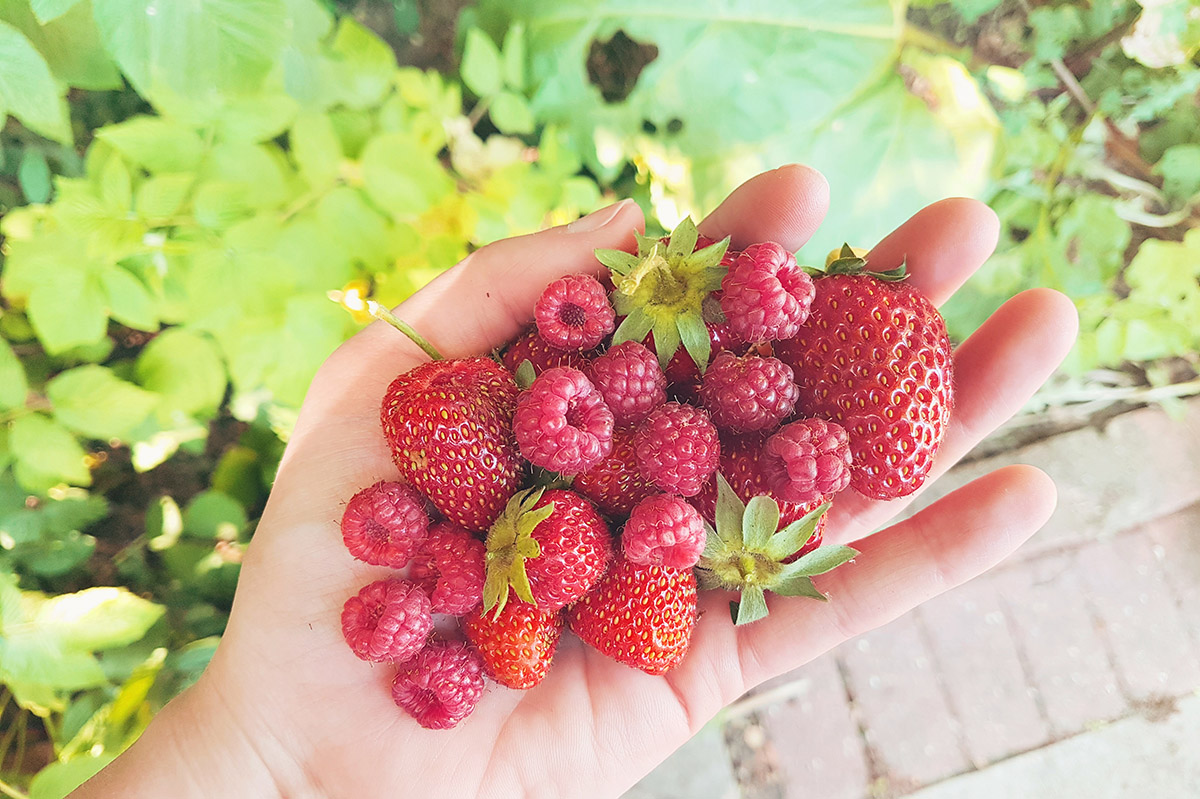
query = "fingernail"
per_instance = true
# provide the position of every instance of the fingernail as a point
(597, 219)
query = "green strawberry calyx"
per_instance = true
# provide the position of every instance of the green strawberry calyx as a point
(662, 289)
(746, 550)
(848, 262)
(510, 543)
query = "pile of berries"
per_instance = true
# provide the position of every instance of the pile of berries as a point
(682, 423)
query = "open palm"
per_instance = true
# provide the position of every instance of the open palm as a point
(286, 709)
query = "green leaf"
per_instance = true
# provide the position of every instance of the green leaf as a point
(45, 449)
(510, 113)
(694, 335)
(186, 369)
(752, 606)
(97, 618)
(820, 560)
(34, 176)
(129, 301)
(68, 309)
(72, 513)
(158, 144)
(47, 10)
(36, 657)
(160, 197)
(797, 585)
(58, 779)
(13, 385)
(27, 89)
(666, 340)
(793, 537)
(187, 54)
(316, 149)
(402, 177)
(729, 513)
(70, 42)
(95, 402)
(617, 260)
(363, 64)
(759, 522)
(259, 168)
(116, 186)
(683, 239)
(480, 68)
(513, 55)
(212, 514)
(1180, 168)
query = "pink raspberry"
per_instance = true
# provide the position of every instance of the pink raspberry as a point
(383, 525)
(807, 461)
(749, 392)
(387, 620)
(530, 346)
(562, 423)
(664, 530)
(767, 296)
(440, 686)
(677, 448)
(449, 567)
(573, 313)
(630, 380)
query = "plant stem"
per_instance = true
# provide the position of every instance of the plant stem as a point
(11, 792)
(384, 315)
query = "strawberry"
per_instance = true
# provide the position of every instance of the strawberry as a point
(741, 458)
(874, 357)
(518, 644)
(530, 346)
(550, 546)
(616, 484)
(449, 426)
(749, 552)
(641, 616)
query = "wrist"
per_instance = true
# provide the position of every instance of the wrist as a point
(195, 747)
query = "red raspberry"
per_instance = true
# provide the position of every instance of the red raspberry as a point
(748, 393)
(664, 530)
(440, 686)
(531, 347)
(616, 484)
(677, 448)
(562, 423)
(387, 620)
(449, 568)
(767, 296)
(573, 313)
(807, 461)
(383, 525)
(630, 380)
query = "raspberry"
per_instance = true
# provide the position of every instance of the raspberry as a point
(383, 525)
(387, 620)
(630, 380)
(664, 530)
(677, 448)
(562, 423)
(616, 484)
(767, 296)
(807, 461)
(573, 313)
(449, 568)
(748, 393)
(440, 686)
(531, 347)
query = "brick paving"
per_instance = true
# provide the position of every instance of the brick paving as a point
(1048, 664)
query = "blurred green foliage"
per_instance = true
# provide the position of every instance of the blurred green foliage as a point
(182, 184)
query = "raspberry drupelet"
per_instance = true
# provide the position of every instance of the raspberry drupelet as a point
(748, 393)
(387, 620)
(449, 567)
(384, 524)
(630, 380)
(807, 461)
(677, 448)
(767, 295)
(441, 685)
(561, 422)
(664, 530)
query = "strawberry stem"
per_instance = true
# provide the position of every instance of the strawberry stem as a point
(384, 315)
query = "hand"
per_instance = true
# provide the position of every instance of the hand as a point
(286, 709)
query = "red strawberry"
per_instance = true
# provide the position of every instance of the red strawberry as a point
(641, 616)
(517, 645)
(875, 358)
(550, 546)
(449, 425)
(530, 346)
(740, 460)
(616, 484)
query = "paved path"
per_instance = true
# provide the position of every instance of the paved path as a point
(1071, 671)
